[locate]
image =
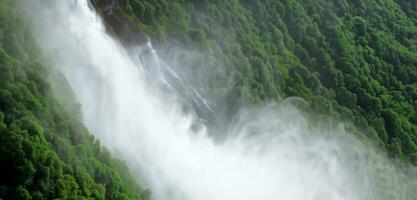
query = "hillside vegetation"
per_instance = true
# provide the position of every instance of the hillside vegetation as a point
(351, 60)
(45, 151)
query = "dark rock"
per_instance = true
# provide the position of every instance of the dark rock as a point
(117, 24)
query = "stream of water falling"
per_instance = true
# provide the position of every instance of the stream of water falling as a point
(273, 154)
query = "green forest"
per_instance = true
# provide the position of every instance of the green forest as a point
(46, 152)
(351, 60)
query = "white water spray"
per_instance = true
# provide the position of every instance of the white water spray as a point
(272, 153)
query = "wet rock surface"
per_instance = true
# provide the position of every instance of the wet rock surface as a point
(117, 23)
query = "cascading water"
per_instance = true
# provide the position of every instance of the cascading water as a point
(272, 152)
(160, 72)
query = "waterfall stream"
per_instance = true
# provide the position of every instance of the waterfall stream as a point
(134, 105)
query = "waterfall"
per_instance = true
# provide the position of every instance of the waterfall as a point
(134, 104)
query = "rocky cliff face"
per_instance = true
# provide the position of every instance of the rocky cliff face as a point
(118, 23)
(109, 6)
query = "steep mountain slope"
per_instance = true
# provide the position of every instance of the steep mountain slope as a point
(353, 60)
(45, 151)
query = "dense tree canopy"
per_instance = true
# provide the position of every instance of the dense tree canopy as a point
(353, 60)
(45, 151)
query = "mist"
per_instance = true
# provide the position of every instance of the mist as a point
(143, 110)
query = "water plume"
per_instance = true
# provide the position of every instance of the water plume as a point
(135, 105)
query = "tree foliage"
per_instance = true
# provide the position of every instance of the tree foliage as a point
(45, 151)
(358, 58)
